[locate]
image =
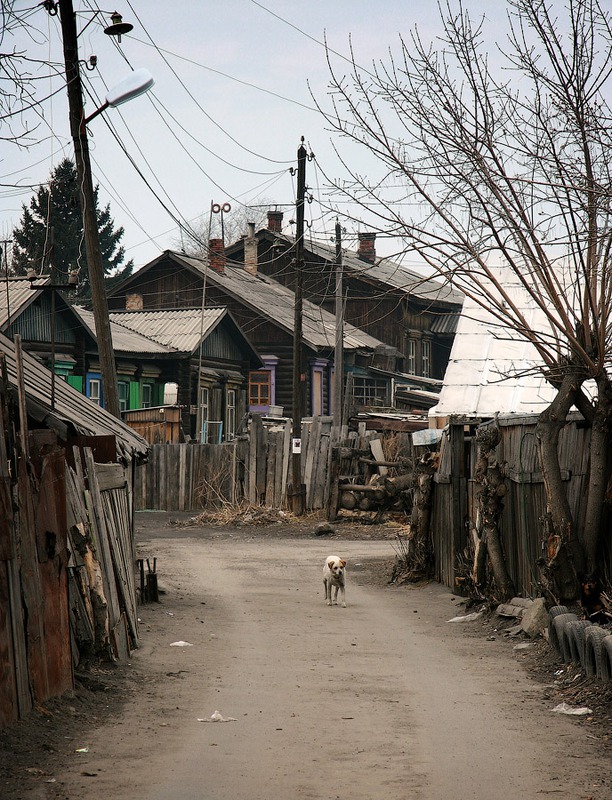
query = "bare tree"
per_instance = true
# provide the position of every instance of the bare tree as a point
(21, 78)
(504, 160)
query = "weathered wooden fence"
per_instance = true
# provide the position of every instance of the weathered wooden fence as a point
(454, 509)
(254, 469)
(67, 570)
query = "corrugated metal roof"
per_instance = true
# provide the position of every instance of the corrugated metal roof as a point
(445, 324)
(272, 299)
(124, 339)
(15, 295)
(180, 329)
(73, 411)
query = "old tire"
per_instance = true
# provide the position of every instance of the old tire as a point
(556, 610)
(552, 613)
(606, 659)
(575, 634)
(593, 650)
(556, 628)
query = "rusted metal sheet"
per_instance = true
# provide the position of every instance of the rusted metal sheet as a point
(31, 586)
(9, 707)
(52, 551)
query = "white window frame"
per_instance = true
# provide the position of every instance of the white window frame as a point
(411, 357)
(230, 414)
(95, 391)
(426, 358)
(203, 412)
(147, 388)
(124, 402)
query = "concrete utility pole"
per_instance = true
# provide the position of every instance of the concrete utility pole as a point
(297, 498)
(339, 344)
(87, 200)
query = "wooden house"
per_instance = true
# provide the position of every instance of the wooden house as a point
(264, 308)
(48, 325)
(199, 356)
(416, 316)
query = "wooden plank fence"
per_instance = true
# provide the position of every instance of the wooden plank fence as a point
(454, 508)
(253, 470)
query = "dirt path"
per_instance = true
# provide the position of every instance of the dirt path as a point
(382, 700)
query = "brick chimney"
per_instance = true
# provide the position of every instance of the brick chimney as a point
(367, 250)
(275, 221)
(216, 254)
(134, 302)
(250, 250)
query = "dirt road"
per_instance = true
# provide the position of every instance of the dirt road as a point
(382, 700)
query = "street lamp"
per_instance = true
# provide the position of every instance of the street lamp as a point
(87, 198)
(136, 83)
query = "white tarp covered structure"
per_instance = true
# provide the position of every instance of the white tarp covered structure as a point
(491, 369)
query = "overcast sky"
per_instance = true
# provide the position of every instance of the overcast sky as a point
(223, 123)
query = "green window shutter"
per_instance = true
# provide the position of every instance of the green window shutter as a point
(76, 381)
(134, 394)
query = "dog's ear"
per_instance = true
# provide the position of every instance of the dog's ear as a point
(330, 562)
(342, 562)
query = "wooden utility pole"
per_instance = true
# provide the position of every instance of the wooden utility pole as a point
(339, 344)
(297, 499)
(88, 209)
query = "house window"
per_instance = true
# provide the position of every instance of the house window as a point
(259, 388)
(411, 365)
(317, 392)
(203, 415)
(369, 392)
(95, 391)
(426, 358)
(230, 414)
(146, 400)
(123, 389)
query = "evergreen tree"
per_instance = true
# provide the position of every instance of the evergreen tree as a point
(51, 233)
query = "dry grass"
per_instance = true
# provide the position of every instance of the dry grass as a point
(227, 515)
(412, 558)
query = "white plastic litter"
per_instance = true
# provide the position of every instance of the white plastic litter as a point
(467, 617)
(563, 708)
(181, 644)
(217, 716)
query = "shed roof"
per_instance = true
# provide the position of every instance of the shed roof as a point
(73, 411)
(491, 370)
(277, 302)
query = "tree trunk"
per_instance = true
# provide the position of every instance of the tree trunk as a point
(491, 491)
(598, 473)
(565, 553)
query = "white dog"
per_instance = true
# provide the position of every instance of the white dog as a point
(334, 575)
